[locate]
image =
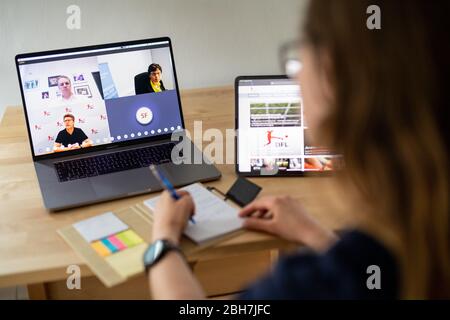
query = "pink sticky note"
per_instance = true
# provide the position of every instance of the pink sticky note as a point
(117, 243)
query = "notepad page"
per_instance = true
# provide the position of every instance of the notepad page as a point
(213, 216)
(100, 226)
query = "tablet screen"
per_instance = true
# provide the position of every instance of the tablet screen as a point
(272, 131)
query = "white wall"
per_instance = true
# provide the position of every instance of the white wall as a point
(214, 40)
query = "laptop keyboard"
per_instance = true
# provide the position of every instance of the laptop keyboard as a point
(113, 162)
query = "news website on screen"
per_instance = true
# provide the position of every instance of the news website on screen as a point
(273, 132)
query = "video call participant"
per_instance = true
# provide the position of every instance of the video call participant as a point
(154, 74)
(65, 87)
(71, 137)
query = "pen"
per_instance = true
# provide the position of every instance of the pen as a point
(165, 183)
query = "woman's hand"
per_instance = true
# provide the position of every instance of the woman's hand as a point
(170, 216)
(286, 218)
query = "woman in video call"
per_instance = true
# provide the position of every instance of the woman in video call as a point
(154, 74)
(379, 98)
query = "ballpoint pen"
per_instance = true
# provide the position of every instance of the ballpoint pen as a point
(165, 183)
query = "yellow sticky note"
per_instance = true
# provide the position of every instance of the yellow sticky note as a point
(130, 238)
(100, 248)
(128, 262)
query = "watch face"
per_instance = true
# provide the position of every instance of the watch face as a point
(153, 252)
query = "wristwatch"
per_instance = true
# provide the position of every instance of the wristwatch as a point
(157, 250)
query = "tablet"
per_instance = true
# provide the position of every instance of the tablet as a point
(272, 133)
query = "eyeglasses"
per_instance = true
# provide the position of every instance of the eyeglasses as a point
(64, 84)
(68, 120)
(290, 61)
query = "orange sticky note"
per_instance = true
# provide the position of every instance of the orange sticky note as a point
(100, 248)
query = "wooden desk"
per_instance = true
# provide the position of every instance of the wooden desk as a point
(31, 252)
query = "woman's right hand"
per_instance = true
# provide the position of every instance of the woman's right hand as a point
(285, 217)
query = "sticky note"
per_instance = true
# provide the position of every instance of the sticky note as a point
(128, 262)
(117, 243)
(100, 248)
(109, 245)
(100, 226)
(130, 238)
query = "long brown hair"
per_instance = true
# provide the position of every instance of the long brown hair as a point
(388, 121)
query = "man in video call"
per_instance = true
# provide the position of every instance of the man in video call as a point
(154, 74)
(65, 87)
(71, 137)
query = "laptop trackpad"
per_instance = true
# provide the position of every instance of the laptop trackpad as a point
(124, 183)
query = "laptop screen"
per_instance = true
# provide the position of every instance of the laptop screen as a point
(92, 97)
(273, 132)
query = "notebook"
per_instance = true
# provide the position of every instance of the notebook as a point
(112, 244)
(214, 217)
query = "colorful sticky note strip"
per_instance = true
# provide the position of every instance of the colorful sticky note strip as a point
(129, 238)
(117, 243)
(109, 245)
(100, 248)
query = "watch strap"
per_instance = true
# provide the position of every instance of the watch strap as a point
(168, 246)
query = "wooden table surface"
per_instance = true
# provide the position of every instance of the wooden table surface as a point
(32, 252)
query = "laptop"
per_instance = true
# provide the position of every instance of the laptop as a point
(98, 116)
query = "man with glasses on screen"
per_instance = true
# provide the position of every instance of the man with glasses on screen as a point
(71, 138)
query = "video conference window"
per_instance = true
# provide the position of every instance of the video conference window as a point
(99, 98)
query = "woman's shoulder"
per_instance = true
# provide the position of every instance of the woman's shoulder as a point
(371, 267)
(356, 267)
(357, 244)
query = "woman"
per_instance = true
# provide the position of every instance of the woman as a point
(378, 97)
(154, 75)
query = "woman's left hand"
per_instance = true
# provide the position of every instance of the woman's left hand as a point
(170, 216)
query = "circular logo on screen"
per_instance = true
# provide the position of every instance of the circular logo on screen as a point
(144, 115)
